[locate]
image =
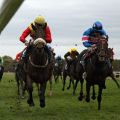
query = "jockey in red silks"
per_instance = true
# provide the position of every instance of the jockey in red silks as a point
(18, 56)
(39, 21)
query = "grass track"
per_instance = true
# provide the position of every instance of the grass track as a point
(60, 106)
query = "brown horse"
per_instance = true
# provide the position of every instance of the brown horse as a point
(38, 70)
(20, 76)
(75, 74)
(97, 69)
(58, 69)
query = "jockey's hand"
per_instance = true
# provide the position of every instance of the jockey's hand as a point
(94, 46)
(26, 43)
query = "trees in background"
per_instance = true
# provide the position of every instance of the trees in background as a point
(10, 63)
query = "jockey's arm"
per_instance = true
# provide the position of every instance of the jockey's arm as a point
(25, 34)
(66, 56)
(48, 37)
(77, 53)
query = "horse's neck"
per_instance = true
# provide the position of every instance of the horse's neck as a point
(39, 58)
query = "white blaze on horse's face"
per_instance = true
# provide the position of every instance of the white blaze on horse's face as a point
(39, 42)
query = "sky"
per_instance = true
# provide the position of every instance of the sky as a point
(67, 19)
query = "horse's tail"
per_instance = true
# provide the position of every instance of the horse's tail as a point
(114, 79)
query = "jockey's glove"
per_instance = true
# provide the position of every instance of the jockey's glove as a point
(26, 43)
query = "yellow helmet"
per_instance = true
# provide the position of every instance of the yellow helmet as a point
(73, 50)
(40, 20)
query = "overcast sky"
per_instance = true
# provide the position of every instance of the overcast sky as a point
(67, 20)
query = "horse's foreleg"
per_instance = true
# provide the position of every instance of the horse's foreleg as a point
(50, 81)
(21, 87)
(93, 94)
(18, 84)
(99, 98)
(87, 92)
(69, 84)
(30, 90)
(56, 78)
(72, 80)
(75, 86)
(81, 90)
(42, 94)
(61, 76)
(64, 81)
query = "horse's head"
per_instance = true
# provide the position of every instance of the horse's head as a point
(38, 57)
(102, 48)
(39, 43)
(110, 54)
(38, 46)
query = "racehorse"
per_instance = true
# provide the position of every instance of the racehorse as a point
(20, 77)
(74, 73)
(38, 70)
(58, 69)
(98, 68)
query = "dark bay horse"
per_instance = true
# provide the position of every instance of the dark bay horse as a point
(21, 70)
(38, 70)
(20, 77)
(98, 68)
(58, 69)
(75, 72)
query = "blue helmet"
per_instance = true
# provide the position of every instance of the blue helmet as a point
(58, 58)
(97, 26)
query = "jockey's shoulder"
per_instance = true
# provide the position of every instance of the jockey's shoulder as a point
(31, 26)
(88, 31)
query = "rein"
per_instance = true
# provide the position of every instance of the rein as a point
(38, 66)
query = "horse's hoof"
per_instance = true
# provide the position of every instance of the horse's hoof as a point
(80, 98)
(104, 87)
(73, 93)
(42, 103)
(22, 97)
(93, 97)
(68, 88)
(87, 100)
(30, 103)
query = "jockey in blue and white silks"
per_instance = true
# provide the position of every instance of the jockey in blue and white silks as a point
(91, 32)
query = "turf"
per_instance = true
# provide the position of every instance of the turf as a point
(60, 106)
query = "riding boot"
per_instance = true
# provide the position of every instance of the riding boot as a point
(47, 49)
(83, 60)
(109, 64)
(26, 53)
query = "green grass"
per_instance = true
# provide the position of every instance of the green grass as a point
(60, 106)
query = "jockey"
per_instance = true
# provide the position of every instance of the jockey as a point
(70, 56)
(89, 40)
(30, 30)
(58, 58)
